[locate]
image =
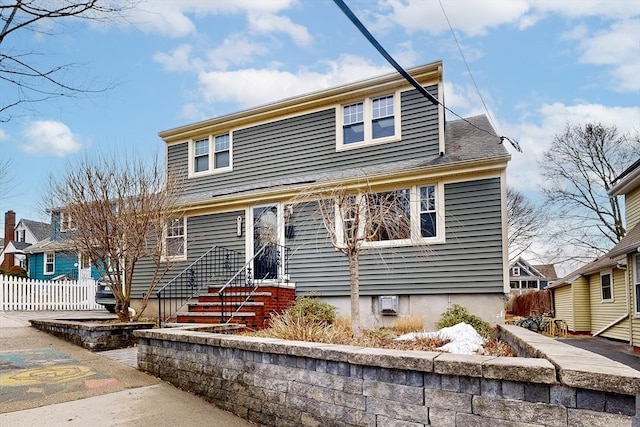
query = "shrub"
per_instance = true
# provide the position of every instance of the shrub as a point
(14, 270)
(457, 314)
(311, 309)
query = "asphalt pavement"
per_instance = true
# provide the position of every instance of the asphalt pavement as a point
(46, 381)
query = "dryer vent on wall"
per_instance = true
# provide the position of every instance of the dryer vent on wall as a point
(389, 305)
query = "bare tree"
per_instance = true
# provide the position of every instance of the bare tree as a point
(6, 179)
(32, 82)
(354, 219)
(117, 211)
(525, 221)
(579, 169)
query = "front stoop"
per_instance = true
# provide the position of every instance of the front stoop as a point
(255, 313)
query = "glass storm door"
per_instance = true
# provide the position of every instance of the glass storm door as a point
(84, 270)
(267, 241)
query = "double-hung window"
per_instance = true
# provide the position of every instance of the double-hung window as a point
(369, 121)
(221, 152)
(606, 286)
(402, 217)
(210, 155)
(201, 155)
(66, 222)
(49, 262)
(175, 238)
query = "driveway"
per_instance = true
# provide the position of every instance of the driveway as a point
(46, 381)
(620, 352)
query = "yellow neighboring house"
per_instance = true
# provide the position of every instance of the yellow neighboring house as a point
(603, 297)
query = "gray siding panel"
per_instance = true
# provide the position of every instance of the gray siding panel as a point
(306, 145)
(203, 232)
(469, 262)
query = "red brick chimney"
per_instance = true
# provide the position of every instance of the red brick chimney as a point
(9, 228)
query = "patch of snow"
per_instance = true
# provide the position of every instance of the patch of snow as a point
(463, 338)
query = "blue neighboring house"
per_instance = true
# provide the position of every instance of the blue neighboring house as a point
(54, 259)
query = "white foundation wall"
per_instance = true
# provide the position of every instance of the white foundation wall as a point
(490, 307)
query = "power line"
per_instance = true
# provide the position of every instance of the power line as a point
(354, 19)
(466, 64)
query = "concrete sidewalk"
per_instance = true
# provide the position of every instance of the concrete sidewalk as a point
(47, 381)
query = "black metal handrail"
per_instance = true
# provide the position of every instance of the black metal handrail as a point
(217, 265)
(273, 265)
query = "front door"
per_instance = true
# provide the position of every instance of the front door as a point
(265, 241)
(84, 269)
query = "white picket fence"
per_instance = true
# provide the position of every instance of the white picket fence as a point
(17, 293)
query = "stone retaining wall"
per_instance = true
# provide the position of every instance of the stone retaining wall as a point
(287, 383)
(93, 335)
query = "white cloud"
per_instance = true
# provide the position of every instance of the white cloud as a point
(267, 23)
(616, 47)
(251, 87)
(236, 49)
(477, 17)
(50, 138)
(171, 18)
(4, 136)
(471, 18)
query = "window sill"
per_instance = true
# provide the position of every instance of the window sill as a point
(209, 172)
(174, 258)
(368, 143)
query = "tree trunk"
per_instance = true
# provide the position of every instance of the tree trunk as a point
(354, 281)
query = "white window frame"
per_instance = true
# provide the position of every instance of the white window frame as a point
(368, 122)
(211, 170)
(515, 271)
(66, 222)
(610, 274)
(636, 284)
(165, 246)
(48, 263)
(416, 232)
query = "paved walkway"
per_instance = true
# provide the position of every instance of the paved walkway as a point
(620, 352)
(46, 381)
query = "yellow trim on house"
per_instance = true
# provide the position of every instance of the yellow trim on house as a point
(466, 171)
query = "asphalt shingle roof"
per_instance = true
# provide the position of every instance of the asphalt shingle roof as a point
(467, 139)
(40, 230)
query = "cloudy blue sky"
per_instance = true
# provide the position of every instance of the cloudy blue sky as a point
(537, 64)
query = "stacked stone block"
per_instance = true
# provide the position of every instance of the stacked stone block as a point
(283, 383)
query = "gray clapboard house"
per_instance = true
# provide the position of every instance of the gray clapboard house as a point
(243, 170)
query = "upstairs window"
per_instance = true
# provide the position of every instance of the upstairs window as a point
(515, 271)
(20, 235)
(221, 153)
(370, 121)
(201, 155)
(66, 222)
(210, 155)
(606, 286)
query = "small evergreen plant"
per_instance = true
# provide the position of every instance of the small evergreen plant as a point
(458, 314)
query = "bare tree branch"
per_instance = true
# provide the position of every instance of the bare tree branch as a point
(31, 82)
(525, 221)
(119, 209)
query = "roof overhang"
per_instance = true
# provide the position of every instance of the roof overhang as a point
(445, 172)
(629, 182)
